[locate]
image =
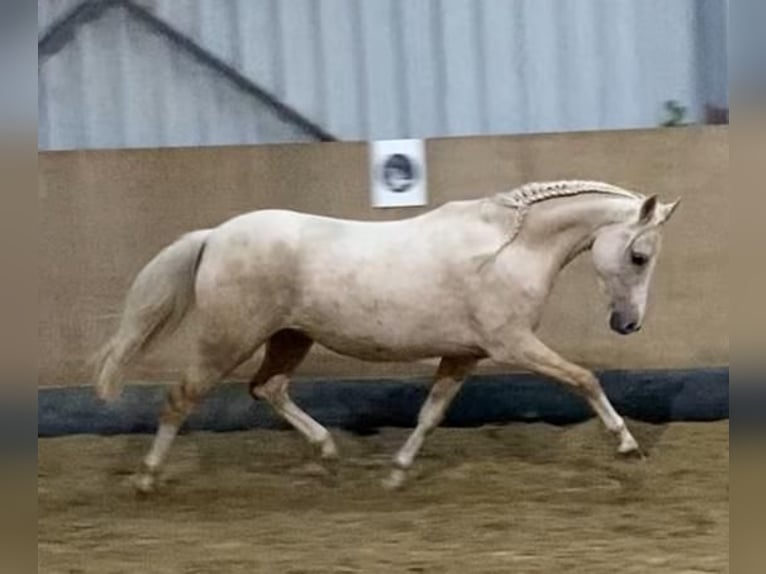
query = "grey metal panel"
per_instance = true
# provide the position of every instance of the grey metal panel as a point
(463, 66)
(260, 43)
(49, 11)
(100, 59)
(119, 84)
(576, 65)
(580, 68)
(180, 111)
(423, 68)
(666, 52)
(543, 83)
(504, 60)
(302, 56)
(216, 23)
(619, 95)
(382, 72)
(61, 96)
(712, 31)
(345, 109)
(386, 69)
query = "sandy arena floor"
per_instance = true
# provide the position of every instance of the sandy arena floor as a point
(518, 498)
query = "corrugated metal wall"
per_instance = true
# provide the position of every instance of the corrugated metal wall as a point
(48, 11)
(376, 70)
(117, 84)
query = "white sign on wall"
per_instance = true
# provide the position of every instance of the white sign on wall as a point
(398, 173)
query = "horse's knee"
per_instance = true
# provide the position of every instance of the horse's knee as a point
(587, 384)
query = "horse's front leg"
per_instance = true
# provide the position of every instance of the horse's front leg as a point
(449, 378)
(529, 352)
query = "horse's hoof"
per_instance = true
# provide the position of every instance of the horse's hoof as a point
(145, 483)
(634, 452)
(627, 444)
(395, 480)
(328, 452)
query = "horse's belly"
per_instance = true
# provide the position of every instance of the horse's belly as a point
(389, 336)
(381, 350)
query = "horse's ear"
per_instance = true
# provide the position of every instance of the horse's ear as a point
(666, 210)
(646, 215)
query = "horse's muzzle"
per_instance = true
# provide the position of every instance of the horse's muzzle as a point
(622, 324)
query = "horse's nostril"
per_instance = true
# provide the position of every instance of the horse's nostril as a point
(631, 327)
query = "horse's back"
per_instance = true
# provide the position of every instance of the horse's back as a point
(342, 280)
(293, 246)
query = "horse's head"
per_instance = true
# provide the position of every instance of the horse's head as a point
(625, 255)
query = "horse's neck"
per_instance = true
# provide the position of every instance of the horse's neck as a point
(560, 229)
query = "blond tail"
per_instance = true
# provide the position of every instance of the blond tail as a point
(156, 303)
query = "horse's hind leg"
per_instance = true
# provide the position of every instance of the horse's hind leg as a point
(181, 399)
(284, 352)
(449, 378)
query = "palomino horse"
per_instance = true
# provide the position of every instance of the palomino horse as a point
(463, 282)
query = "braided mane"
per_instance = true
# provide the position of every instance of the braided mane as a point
(523, 197)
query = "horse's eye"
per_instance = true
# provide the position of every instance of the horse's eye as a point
(638, 259)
